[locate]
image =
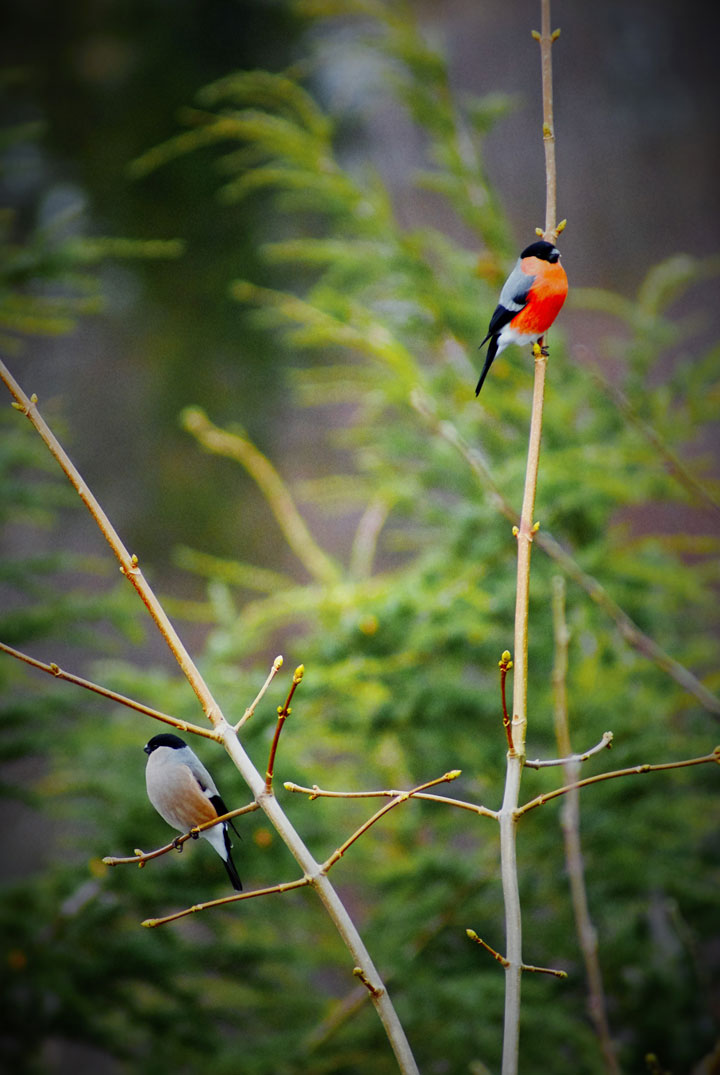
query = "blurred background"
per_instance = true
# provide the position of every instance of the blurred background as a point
(637, 147)
(402, 660)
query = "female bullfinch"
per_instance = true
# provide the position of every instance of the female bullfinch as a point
(529, 301)
(184, 794)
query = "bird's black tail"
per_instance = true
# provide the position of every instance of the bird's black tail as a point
(489, 359)
(230, 865)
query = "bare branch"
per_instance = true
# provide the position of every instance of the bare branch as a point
(505, 665)
(570, 822)
(605, 744)
(285, 886)
(506, 962)
(316, 792)
(276, 666)
(401, 797)
(128, 564)
(634, 770)
(283, 714)
(141, 857)
(146, 710)
(478, 940)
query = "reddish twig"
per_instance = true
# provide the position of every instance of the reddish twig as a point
(283, 714)
(505, 665)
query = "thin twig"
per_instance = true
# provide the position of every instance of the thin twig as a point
(316, 792)
(401, 797)
(128, 563)
(505, 664)
(285, 886)
(276, 666)
(283, 714)
(633, 770)
(506, 963)
(605, 744)
(570, 821)
(627, 628)
(78, 681)
(488, 948)
(141, 857)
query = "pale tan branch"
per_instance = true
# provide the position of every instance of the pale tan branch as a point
(401, 797)
(105, 692)
(316, 792)
(128, 564)
(633, 770)
(546, 38)
(605, 744)
(276, 666)
(285, 886)
(141, 857)
(528, 967)
(570, 822)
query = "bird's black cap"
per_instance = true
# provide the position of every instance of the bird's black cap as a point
(164, 740)
(542, 250)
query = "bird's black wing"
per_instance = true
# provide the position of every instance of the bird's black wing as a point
(513, 298)
(221, 808)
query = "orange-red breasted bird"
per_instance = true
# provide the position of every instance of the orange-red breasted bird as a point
(529, 301)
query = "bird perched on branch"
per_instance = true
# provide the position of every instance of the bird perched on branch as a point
(529, 302)
(184, 794)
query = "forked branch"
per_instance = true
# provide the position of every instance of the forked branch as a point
(225, 733)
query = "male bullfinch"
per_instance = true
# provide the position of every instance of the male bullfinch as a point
(184, 794)
(529, 301)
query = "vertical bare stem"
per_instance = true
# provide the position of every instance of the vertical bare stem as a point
(546, 41)
(570, 822)
(516, 756)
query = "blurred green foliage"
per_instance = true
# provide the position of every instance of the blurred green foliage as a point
(401, 636)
